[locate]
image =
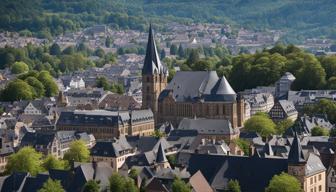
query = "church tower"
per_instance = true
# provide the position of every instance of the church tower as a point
(154, 76)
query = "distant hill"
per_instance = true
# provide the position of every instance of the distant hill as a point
(301, 18)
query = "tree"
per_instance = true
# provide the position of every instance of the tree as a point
(103, 83)
(52, 186)
(17, 90)
(332, 132)
(180, 186)
(158, 134)
(202, 65)
(91, 186)
(117, 183)
(233, 186)
(55, 49)
(319, 131)
(162, 54)
(51, 162)
(173, 49)
(181, 52)
(133, 174)
(38, 88)
(49, 84)
(25, 160)
(69, 50)
(283, 125)
(78, 152)
(108, 42)
(100, 52)
(193, 57)
(284, 183)
(243, 145)
(19, 67)
(260, 124)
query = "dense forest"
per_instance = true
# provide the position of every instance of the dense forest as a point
(300, 18)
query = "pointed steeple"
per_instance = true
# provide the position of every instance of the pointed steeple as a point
(152, 64)
(295, 155)
(161, 155)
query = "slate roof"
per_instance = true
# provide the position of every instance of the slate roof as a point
(208, 126)
(296, 155)
(253, 174)
(103, 117)
(152, 64)
(118, 102)
(198, 85)
(14, 182)
(38, 138)
(110, 148)
(161, 155)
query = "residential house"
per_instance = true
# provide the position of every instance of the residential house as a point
(282, 110)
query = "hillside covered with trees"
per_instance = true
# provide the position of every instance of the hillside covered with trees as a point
(300, 18)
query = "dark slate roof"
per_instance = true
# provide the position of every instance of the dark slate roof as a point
(152, 64)
(222, 91)
(110, 148)
(207, 126)
(38, 138)
(142, 159)
(253, 174)
(198, 85)
(161, 155)
(14, 182)
(296, 155)
(288, 107)
(35, 183)
(147, 143)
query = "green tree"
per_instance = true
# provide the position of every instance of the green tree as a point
(332, 132)
(25, 160)
(55, 49)
(319, 131)
(180, 186)
(243, 145)
(91, 186)
(19, 67)
(233, 186)
(100, 52)
(108, 42)
(193, 57)
(17, 90)
(49, 84)
(103, 83)
(69, 50)
(260, 124)
(78, 152)
(158, 134)
(133, 174)
(52, 186)
(162, 54)
(38, 88)
(173, 49)
(117, 183)
(283, 125)
(51, 162)
(181, 52)
(284, 183)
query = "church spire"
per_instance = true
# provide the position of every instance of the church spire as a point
(295, 155)
(161, 155)
(152, 64)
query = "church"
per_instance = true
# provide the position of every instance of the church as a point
(190, 94)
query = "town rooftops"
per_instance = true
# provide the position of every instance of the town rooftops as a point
(103, 117)
(208, 126)
(195, 85)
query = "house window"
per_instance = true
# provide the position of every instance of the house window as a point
(319, 177)
(320, 187)
(311, 180)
